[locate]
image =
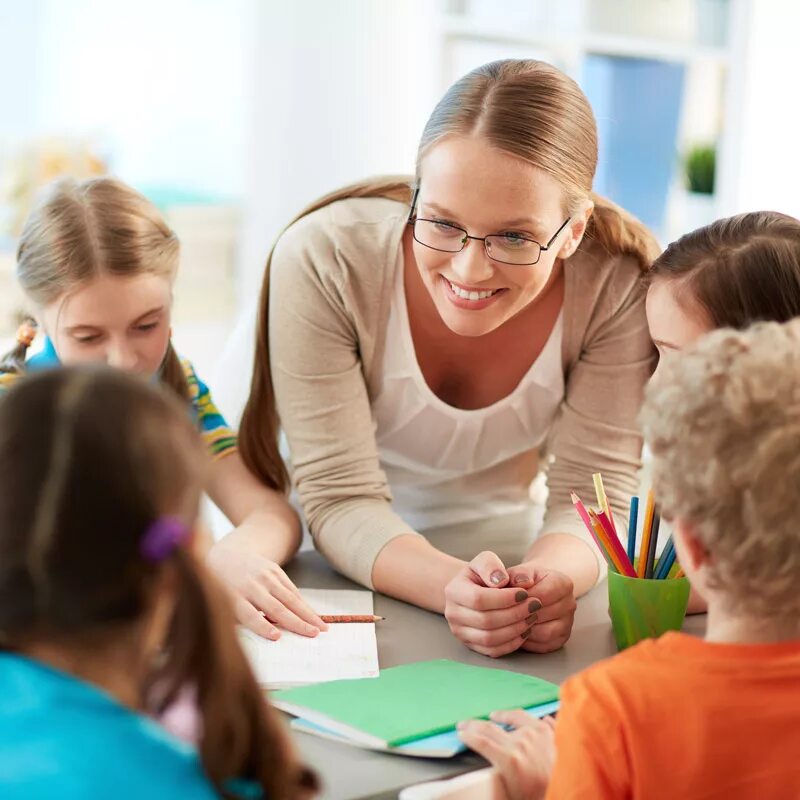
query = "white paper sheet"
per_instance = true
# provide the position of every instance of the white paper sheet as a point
(345, 650)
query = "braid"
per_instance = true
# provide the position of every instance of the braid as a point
(14, 360)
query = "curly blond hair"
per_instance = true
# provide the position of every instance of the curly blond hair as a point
(723, 422)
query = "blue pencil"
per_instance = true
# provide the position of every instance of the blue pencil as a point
(633, 519)
(666, 561)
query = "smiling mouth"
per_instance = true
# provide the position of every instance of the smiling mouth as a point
(471, 294)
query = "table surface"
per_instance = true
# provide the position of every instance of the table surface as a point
(410, 634)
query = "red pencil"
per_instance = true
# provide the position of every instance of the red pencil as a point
(616, 546)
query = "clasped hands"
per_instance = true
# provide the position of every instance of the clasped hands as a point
(495, 611)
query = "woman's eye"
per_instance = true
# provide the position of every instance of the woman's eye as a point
(147, 327)
(514, 239)
(446, 227)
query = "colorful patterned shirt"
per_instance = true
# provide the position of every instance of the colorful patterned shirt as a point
(217, 434)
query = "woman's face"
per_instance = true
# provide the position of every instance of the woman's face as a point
(674, 322)
(470, 184)
(116, 320)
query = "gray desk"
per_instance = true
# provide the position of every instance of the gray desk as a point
(410, 634)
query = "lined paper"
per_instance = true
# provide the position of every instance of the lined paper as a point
(345, 650)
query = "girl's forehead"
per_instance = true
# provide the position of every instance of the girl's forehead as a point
(113, 299)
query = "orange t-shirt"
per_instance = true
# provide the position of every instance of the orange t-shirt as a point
(679, 717)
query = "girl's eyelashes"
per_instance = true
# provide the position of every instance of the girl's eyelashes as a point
(148, 326)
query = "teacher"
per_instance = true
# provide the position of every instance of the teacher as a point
(429, 345)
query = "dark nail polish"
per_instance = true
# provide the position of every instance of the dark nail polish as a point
(526, 633)
(520, 596)
(532, 618)
(534, 605)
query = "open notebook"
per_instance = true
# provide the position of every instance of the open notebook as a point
(345, 650)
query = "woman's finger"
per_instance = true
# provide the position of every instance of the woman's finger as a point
(275, 610)
(465, 592)
(294, 601)
(491, 571)
(543, 632)
(497, 651)
(561, 609)
(494, 637)
(491, 620)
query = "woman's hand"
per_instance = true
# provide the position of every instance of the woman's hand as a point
(263, 596)
(555, 591)
(486, 610)
(523, 757)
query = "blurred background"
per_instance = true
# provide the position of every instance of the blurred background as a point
(233, 115)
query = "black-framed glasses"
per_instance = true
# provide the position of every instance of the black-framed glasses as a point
(506, 248)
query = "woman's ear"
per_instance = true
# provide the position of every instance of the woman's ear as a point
(576, 229)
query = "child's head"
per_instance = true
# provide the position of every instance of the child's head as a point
(729, 274)
(97, 262)
(101, 478)
(723, 423)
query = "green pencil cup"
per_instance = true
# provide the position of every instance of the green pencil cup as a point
(643, 609)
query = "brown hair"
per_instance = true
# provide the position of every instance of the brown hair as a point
(723, 424)
(524, 107)
(89, 458)
(738, 270)
(82, 229)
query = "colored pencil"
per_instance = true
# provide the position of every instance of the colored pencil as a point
(680, 573)
(651, 550)
(601, 540)
(596, 533)
(350, 618)
(667, 560)
(633, 520)
(647, 530)
(626, 568)
(658, 571)
(602, 499)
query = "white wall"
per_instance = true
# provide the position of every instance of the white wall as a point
(761, 156)
(340, 90)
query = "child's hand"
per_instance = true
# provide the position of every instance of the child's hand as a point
(485, 610)
(523, 757)
(264, 598)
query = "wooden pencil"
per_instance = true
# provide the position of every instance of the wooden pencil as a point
(651, 550)
(647, 529)
(614, 544)
(350, 618)
(602, 499)
(666, 560)
(590, 526)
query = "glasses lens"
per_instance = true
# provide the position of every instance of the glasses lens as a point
(439, 235)
(512, 249)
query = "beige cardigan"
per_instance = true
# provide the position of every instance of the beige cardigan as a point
(330, 291)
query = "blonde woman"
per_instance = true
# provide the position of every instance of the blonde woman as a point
(97, 264)
(424, 342)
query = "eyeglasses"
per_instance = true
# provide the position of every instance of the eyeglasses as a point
(506, 248)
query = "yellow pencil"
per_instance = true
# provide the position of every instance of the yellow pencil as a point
(647, 530)
(602, 499)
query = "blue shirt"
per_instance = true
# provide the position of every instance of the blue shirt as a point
(61, 737)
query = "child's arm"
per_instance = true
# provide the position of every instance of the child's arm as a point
(247, 559)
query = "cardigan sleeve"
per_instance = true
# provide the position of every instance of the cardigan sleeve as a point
(323, 402)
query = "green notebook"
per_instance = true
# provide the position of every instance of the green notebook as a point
(413, 701)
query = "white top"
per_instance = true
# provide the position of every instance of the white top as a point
(447, 465)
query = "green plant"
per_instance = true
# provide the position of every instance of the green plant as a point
(701, 162)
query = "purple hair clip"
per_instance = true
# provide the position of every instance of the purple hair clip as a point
(162, 537)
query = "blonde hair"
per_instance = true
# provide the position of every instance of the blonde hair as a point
(81, 229)
(524, 107)
(723, 422)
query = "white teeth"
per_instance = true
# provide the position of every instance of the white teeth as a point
(464, 294)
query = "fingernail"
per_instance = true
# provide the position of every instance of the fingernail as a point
(520, 596)
(497, 577)
(534, 605)
(532, 618)
(527, 633)
(520, 579)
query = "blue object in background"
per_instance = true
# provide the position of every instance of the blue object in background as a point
(637, 103)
